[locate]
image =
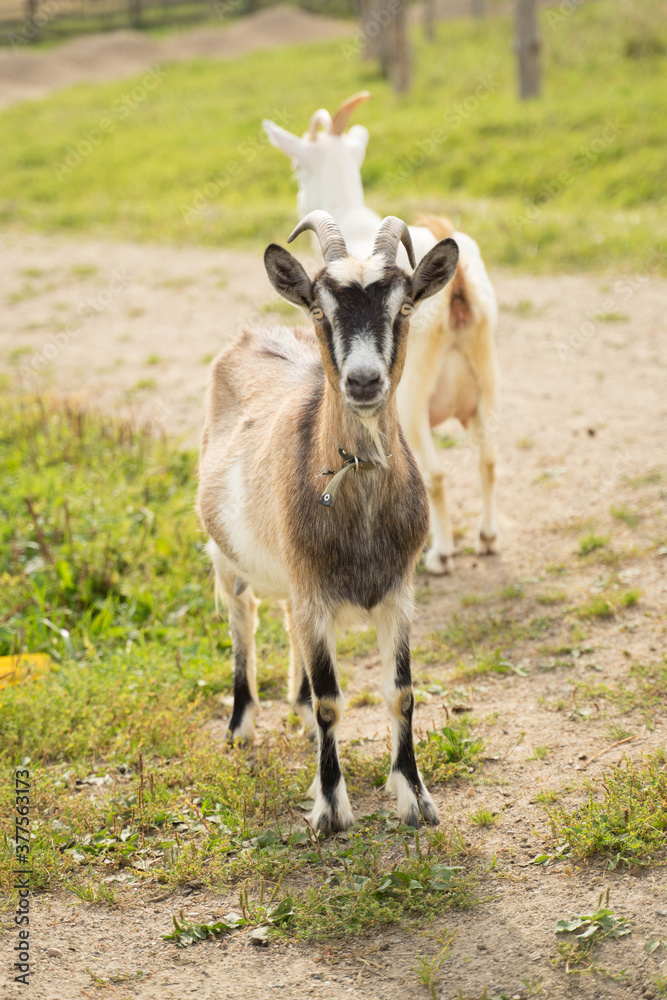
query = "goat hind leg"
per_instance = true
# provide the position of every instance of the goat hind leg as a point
(488, 529)
(299, 694)
(242, 614)
(440, 556)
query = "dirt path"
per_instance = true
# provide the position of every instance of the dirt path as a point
(582, 429)
(112, 55)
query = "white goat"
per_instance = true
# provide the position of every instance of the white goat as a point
(278, 412)
(451, 368)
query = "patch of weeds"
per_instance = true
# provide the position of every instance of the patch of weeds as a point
(611, 317)
(154, 359)
(101, 894)
(445, 440)
(83, 270)
(626, 515)
(513, 592)
(629, 824)
(557, 569)
(591, 543)
(618, 732)
(142, 385)
(598, 607)
(356, 643)
(606, 605)
(552, 597)
(17, 353)
(525, 443)
(660, 983)
(652, 478)
(361, 894)
(482, 817)
(364, 698)
(540, 753)
(449, 752)
(428, 968)
(472, 600)
(533, 987)
(491, 662)
(206, 358)
(589, 929)
(464, 634)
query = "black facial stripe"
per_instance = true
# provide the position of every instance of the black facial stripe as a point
(365, 310)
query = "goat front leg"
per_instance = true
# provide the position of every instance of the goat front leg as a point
(316, 636)
(299, 693)
(392, 621)
(488, 529)
(242, 614)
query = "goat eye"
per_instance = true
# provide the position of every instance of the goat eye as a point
(406, 309)
(317, 313)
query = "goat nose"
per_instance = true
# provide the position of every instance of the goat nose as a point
(363, 384)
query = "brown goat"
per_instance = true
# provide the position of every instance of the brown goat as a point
(285, 409)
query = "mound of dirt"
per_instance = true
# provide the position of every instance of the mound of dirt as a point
(116, 54)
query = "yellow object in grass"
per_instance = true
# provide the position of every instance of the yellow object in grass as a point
(24, 667)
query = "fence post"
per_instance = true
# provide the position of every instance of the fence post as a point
(528, 48)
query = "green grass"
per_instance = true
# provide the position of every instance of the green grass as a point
(482, 817)
(190, 163)
(623, 817)
(102, 568)
(591, 543)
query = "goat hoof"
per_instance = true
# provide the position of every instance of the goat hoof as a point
(330, 816)
(488, 544)
(414, 806)
(438, 564)
(242, 742)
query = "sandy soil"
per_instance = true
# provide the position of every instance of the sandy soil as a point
(113, 55)
(584, 420)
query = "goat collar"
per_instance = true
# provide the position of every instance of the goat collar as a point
(350, 463)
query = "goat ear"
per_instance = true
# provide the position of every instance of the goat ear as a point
(356, 141)
(292, 145)
(435, 270)
(287, 276)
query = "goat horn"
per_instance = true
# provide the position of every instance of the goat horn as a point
(320, 118)
(342, 115)
(328, 233)
(392, 232)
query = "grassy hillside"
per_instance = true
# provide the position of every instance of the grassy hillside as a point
(576, 179)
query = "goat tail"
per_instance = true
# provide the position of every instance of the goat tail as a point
(460, 311)
(440, 225)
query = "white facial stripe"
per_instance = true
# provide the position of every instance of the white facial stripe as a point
(363, 354)
(394, 302)
(330, 308)
(350, 271)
